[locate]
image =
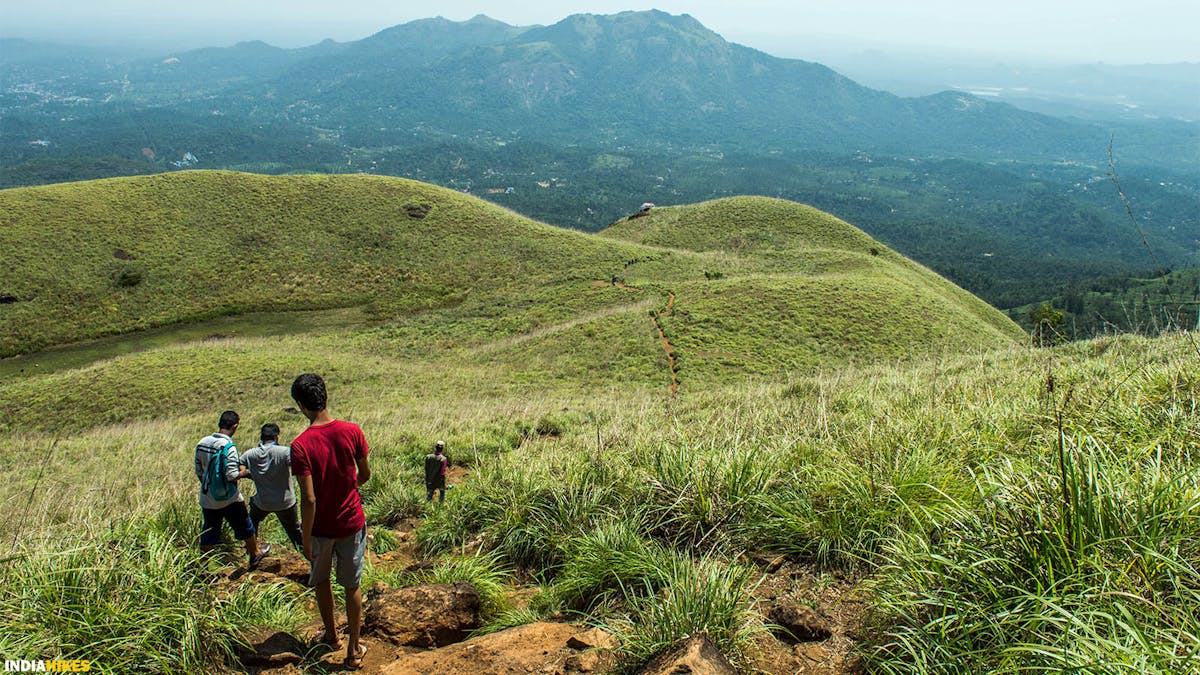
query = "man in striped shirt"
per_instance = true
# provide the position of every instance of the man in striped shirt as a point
(220, 500)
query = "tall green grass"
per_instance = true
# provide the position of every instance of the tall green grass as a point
(700, 596)
(940, 484)
(1090, 566)
(133, 600)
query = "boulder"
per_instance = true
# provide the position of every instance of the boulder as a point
(697, 655)
(427, 615)
(287, 564)
(798, 623)
(537, 648)
(270, 648)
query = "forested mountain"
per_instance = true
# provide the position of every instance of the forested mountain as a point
(646, 78)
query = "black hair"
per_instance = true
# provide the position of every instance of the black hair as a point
(270, 432)
(229, 420)
(309, 391)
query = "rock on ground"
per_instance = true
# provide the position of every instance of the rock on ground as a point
(798, 623)
(286, 564)
(537, 648)
(271, 648)
(697, 655)
(426, 615)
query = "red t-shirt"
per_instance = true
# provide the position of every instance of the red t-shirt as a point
(327, 453)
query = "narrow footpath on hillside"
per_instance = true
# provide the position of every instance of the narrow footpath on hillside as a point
(515, 340)
(668, 348)
(655, 317)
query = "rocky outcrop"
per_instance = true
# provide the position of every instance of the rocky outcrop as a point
(540, 647)
(286, 564)
(697, 655)
(270, 648)
(427, 615)
(798, 623)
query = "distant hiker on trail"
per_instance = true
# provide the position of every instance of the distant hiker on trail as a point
(329, 459)
(436, 464)
(220, 500)
(268, 466)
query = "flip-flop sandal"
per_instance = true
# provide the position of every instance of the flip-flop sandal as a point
(356, 662)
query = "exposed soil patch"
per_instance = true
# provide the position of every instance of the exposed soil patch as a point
(417, 211)
(818, 618)
(122, 254)
(533, 648)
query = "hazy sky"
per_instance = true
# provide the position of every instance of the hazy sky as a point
(1115, 31)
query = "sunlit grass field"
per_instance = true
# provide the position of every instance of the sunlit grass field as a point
(998, 522)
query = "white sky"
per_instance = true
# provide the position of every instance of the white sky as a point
(1114, 31)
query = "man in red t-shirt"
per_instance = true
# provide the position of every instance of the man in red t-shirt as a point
(329, 460)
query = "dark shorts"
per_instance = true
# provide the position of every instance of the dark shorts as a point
(235, 514)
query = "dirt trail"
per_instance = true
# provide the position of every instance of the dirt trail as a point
(668, 348)
(558, 327)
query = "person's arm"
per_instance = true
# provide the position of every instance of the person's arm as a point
(233, 468)
(364, 470)
(244, 464)
(308, 511)
(360, 460)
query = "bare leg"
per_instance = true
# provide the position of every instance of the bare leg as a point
(252, 545)
(324, 593)
(354, 604)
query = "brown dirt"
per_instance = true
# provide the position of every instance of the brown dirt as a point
(834, 597)
(533, 648)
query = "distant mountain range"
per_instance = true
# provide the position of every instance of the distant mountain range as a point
(1096, 91)
(646, 78)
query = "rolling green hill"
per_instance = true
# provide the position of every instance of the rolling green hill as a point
(691, 294)
(801, 287)
(111, 256)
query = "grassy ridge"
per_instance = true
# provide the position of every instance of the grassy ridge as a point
(113, 256)
(204, 244)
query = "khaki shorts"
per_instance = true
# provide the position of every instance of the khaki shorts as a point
(349, 551)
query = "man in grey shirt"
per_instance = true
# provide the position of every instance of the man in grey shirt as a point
(269, 466)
